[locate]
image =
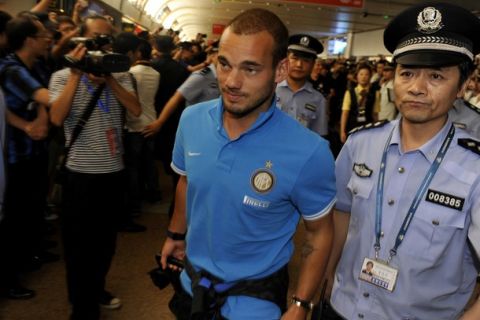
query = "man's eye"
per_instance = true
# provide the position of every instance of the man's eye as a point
(436, 76)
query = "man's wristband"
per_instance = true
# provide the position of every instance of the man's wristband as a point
(307, 305)
(175, 235)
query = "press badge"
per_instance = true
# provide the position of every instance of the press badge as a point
(378, 273)
(113, 139)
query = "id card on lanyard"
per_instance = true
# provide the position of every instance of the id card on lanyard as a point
(112, 134)
(382, 273)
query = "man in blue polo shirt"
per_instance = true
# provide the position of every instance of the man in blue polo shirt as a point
(249, 172)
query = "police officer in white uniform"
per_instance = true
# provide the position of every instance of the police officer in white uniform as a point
(296, 95)
(409, 190)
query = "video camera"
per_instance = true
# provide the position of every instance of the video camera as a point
(97, 60)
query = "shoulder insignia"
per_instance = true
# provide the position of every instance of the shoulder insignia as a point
(471, 106)
(370, 125)
(470, 144)
(205, 71)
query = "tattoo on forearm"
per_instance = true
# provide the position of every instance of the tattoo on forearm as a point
(307, 249)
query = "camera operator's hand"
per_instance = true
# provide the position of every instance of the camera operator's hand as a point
(174, 248)
(77, 54)
(97, 79)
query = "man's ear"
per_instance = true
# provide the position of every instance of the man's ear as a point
(281, 71)
(462, 90)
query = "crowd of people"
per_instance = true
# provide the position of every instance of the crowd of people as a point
(254, 156)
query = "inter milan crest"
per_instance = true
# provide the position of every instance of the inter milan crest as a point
(263, 179)
(429, 20)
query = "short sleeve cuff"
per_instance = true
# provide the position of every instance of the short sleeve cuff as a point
(322, 213)
(178, 170)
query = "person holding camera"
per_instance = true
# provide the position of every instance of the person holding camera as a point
(94, 178)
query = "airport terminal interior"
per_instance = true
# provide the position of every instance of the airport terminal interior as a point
(350, 31)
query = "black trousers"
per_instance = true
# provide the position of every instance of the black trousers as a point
(24, 205)
(91, 208)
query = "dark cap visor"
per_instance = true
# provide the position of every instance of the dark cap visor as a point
(432, 58)
(303, 54)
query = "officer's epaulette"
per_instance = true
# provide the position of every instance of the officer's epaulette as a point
(370, 125)
(470, 144)
(471, 106)
(205, 71)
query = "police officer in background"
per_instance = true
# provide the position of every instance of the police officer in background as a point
(466, 116)
(200, 86)
(296, 95)
(409, 190)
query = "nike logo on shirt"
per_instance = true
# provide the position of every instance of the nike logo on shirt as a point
(193, 154)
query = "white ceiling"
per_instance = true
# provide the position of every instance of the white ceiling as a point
(192, 16)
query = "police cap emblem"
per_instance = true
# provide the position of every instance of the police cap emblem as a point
(304, 41)
(429, 20)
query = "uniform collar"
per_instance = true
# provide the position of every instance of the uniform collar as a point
(307, 86)
(217, 115)
(430, 149)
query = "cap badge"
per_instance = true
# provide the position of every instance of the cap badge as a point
(304, 41)
(429, 20)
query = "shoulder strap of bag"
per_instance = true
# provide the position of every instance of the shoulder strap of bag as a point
(83, 120)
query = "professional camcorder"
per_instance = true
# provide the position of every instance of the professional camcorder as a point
(97, 60)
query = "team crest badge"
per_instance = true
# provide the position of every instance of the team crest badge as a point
(429, 20)
(304, 41)
(263, 179)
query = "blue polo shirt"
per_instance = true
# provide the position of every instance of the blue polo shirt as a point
(245, 196)
(436, 273)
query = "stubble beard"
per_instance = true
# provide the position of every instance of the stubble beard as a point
(242, 112)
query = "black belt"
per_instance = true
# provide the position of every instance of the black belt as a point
(210, 292)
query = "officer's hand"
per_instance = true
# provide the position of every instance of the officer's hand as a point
(295, 313)
(174, 248)
(151, 129)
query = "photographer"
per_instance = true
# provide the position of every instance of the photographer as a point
(94, 173)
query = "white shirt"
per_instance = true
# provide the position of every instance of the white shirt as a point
(148, 80)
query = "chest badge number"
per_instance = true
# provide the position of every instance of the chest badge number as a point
(445, 199)
(262, 180)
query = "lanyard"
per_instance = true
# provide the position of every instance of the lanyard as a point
(100, 104)
(416, 201)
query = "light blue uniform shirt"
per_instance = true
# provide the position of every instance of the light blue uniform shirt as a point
(200, 86)
(466, 117)
(436, 272)
(307, 106)
(235, 231)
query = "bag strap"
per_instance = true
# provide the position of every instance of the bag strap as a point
(83, 120)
